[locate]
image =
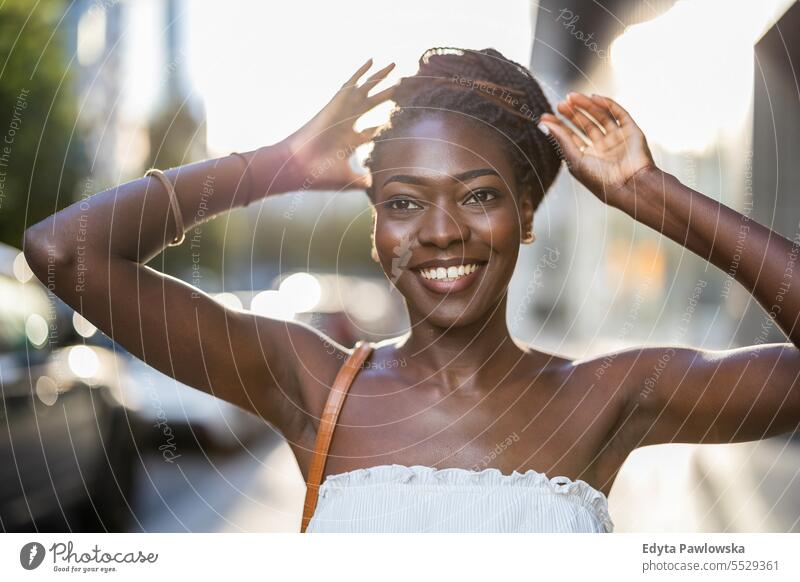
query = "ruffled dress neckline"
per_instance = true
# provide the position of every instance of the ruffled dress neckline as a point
(455, 477)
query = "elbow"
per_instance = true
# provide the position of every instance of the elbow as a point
(33, 247)
(44, 253)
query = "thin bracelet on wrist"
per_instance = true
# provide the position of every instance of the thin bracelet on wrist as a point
(180, 235)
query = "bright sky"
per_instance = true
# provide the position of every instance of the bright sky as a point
(691, 94)
(264, 68)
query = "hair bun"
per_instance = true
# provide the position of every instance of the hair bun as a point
(474, 83)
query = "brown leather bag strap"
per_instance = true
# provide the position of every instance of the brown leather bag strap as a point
(327, 423)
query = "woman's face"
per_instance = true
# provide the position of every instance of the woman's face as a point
(448, 218)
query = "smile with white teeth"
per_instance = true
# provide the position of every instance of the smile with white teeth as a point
(448, 273)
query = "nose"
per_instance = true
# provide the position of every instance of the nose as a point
(442, 226)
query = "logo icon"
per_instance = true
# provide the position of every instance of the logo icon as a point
(31, 555)
(402, 254)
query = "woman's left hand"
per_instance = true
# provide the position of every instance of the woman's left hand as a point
(618, 149)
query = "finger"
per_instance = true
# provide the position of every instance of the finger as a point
(600, 115)
(579, 121)
(617, 112)
(568, 141)
(351, 82)
(368, 134)
(376, 78)
(590, 126)
(379, 97)
(577, 140)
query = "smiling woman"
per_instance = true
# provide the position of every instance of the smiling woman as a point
(455, 178)
(460, 171)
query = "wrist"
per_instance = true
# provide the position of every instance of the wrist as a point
(275, 169)
(646, 179)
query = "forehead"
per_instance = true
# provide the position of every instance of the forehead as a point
(440, 146)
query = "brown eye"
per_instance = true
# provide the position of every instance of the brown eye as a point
(403, 204)
(480, 197)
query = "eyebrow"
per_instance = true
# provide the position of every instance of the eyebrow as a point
(463, 177)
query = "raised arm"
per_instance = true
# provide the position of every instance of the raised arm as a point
(677, 393)
(92, 254)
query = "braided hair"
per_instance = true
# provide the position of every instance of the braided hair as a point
(486, 87)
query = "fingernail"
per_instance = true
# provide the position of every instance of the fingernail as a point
(543, 128)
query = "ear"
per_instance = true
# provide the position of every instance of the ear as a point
(526, 216)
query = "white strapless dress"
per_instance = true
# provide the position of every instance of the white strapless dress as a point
(399, 498)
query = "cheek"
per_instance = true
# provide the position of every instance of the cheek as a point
(500, 229)
(391, 237)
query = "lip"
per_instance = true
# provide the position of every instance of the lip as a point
(445, 287)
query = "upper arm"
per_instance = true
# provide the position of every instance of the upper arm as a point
(262, 365)
(686, 395)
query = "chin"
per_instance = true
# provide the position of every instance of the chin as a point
(452, 316)
(455, 307)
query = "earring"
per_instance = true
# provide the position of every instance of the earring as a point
(529, 237)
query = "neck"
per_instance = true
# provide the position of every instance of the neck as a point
(467, 355)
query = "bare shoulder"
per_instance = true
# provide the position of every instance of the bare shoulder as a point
(632, 371)
(610, 372)
(544, 360)
(623, 376)
(589, 397)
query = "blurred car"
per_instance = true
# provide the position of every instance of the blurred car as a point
(67, 442)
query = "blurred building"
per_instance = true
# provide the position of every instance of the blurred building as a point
(136, 102)
(774, 176)
(619, 283)
(723, 119)
(94, 33)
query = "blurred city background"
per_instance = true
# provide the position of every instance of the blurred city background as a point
(94, 93)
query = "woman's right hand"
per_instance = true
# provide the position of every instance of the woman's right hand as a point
(320, 150)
